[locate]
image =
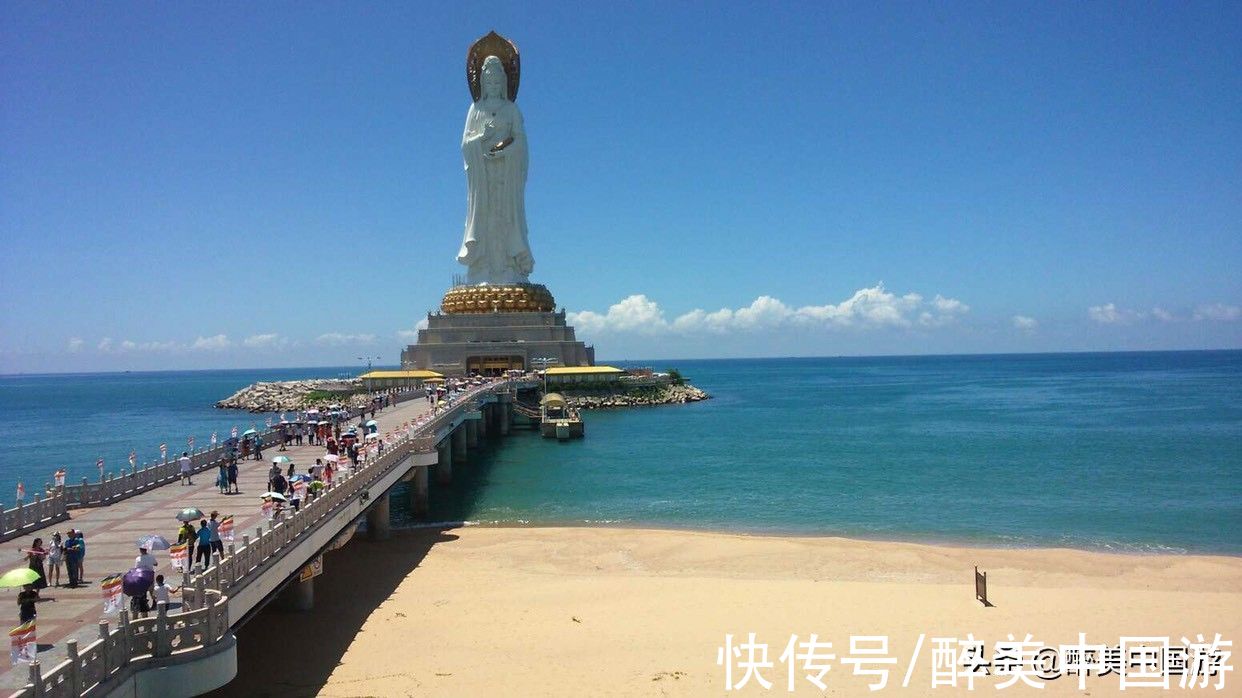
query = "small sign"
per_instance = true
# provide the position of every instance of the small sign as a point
(314, 569)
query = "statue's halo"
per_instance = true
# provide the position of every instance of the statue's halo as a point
(493, 45)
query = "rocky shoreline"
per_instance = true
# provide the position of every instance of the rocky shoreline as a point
(647, 396)
(285, 396)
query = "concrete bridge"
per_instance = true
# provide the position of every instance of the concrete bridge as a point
(189, 648)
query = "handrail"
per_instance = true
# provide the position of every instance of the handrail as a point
(115, 486)
(137, 644)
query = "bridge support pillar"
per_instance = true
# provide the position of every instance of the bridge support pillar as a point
(298, 596)
(419, 492)
(379, 527)
(472, 433)
(459, 443)
(444, 464)
(503, 418)
(485, 423)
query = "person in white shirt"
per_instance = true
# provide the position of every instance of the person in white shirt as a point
(145, 560)
(184, 461)
(162, 592)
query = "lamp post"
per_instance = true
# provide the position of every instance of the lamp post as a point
(545, 361)
(368, 360)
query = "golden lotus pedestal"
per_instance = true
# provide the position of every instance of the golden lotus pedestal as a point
(512, 298)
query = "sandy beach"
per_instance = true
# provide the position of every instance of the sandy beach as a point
(620, 612)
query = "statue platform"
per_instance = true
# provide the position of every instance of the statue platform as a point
(460, 342)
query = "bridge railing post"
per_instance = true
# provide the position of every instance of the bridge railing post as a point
(127, 644)
(163, 647)
(209, 623)
(104, 656)
(75, 677)
(36, 678)
(200, 592)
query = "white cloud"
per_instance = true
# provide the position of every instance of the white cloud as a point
(1162, 315)
(1110, 314)
(105, 344)
(269, 340)
(637, 312)
(867, 307)
(412, 335)
(217, 342)
(337, 339)
(75, 345)
(1218, 311)
(1025, 323)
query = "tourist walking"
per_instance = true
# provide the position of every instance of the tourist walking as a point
(162, 592)
(26, 600)
(184, 461)
(187, 537)
(146, 561)
(258, 447)
(204, 545)
(81, 539)
(217, 545)
(233, 478)
(73, 552)
(222, 478)
(55, 555)
(35, 556)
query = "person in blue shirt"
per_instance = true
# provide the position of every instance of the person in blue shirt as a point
(204, 544)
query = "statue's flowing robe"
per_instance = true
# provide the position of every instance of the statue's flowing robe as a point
(495, 246)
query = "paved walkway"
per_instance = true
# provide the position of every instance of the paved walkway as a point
(112, 531)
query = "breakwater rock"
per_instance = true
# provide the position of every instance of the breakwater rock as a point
(282, 396)
(634, 397)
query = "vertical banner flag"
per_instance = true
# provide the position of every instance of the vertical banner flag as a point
(22, 645)
(133, 458)
(226, 529)
(180, 556)
(268, 509)
(21, 491)
(111, 587)
(164, 451)
(213, 438)
(60, 477)
(99, 463)
(234, 432)
(190, 442)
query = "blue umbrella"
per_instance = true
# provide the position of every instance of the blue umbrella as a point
(249, 432)
(300, 476)
(152, 541)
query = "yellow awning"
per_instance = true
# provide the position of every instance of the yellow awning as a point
(583, 370)
(416, 374)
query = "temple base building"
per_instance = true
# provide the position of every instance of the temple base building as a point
(492, 329)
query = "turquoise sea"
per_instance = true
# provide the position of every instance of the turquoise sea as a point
(1120, 451)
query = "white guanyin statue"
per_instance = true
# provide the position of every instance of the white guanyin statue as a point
(495, 249)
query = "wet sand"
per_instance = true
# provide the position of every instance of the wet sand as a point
(594, 611)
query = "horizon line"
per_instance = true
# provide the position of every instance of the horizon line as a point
(684, 358)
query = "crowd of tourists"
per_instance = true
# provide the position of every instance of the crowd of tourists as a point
(345, 445)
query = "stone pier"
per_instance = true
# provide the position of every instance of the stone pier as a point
(459, 444)
(444, 464)
(419, 492)
(379, 527)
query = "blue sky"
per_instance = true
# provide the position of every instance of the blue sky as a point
(276, 184)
